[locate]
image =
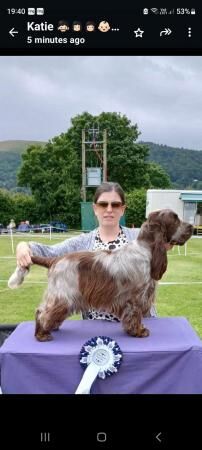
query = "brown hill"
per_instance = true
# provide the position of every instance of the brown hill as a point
(17, 146)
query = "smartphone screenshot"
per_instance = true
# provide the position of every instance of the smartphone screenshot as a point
(100, 225)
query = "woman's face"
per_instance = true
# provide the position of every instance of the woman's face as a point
(109, 209)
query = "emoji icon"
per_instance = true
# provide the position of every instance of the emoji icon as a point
(90, 26)
(104, 26)
(63, 26)
(77, 25)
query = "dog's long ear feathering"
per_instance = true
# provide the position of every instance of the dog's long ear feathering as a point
(157, 233)
(159, 260)
(154, 233)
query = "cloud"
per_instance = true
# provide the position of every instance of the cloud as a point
(162, 94)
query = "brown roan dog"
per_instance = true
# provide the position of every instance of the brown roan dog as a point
(121, 282)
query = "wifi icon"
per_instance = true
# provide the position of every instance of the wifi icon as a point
(154, 10)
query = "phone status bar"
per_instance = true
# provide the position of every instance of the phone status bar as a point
(37, 27)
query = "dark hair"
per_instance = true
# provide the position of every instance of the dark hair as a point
(63, 22)
(90, 23)
(76, 22)
(109, 186)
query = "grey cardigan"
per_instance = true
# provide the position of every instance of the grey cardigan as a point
(84, 241)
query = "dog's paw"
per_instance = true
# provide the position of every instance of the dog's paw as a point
(144, 332)
(17, 277)
(43, 337)
(140, 333)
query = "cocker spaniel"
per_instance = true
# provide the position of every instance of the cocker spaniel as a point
(121, 282)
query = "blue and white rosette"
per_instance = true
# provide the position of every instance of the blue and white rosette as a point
(101, 357)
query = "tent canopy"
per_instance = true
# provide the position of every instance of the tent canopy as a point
(189, 197)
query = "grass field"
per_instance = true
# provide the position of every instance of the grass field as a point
(179, 292)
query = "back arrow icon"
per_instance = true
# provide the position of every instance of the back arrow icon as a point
(12, 32)
(167, 31)
(158, 436)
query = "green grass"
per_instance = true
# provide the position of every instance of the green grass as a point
(183, 299)
(172, 299)
(20, 304)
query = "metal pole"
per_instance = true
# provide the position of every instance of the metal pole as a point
(105, 155)
(12, 245)
(83, 167)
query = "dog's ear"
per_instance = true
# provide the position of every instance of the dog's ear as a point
(150, 230)
(159, 260)
(153, 231)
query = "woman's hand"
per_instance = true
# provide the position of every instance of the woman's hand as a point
(23, 255)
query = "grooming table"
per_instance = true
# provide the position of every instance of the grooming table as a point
(169, 361)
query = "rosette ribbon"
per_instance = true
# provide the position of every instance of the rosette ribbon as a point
(100, 357)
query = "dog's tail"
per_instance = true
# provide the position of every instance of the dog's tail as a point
(17, 277)
(43, 261)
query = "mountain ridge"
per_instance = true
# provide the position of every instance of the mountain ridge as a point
(184, 166)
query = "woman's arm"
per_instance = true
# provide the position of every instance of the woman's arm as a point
(75, 244)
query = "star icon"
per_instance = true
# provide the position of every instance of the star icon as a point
(138, 33)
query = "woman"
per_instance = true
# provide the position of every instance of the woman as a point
(109, 206)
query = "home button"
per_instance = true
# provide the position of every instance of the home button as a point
(101, 436)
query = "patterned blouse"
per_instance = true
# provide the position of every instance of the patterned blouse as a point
(121, 240)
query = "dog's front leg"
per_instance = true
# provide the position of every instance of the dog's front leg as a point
(131, 320)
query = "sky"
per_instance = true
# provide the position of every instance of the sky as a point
(161, 94)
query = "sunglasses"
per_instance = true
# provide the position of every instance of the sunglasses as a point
(114, 205)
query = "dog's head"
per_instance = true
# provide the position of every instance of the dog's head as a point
(163, 227)
(167, 224)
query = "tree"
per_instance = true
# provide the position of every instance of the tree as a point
(126, 160)
(158, 177)
(52, 172)
(136, 207)
(17, 206)
(6, 207)
(24, 208)
(182, 165)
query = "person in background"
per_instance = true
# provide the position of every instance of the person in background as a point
(11, 225)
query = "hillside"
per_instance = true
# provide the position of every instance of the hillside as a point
(17, 146)
(10, 161)
(183, 166)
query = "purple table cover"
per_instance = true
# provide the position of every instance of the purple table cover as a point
(169, 361)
